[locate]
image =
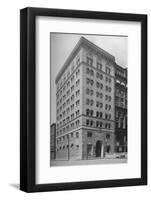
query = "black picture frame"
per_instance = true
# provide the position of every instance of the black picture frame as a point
(28, 99)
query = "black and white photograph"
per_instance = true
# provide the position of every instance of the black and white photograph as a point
(83, 99)
(88, 99)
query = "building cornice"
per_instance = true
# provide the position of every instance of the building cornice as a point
(83, 42)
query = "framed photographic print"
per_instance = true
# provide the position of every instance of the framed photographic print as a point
(83, 99)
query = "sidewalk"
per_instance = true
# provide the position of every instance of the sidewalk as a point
(86, 162)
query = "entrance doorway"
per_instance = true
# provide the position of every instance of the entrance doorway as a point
(98, 148)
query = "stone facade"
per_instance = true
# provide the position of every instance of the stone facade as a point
(85, 99)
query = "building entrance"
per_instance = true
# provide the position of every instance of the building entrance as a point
(98, 148)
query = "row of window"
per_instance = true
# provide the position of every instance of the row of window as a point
(68, 146)
(98, 65)
(90, 102)
(62, 99)
(67, 74)
(98, 75)
(67, 85)
(99, 124)
(98, 114)
(68, 127)
(77, 103)
(59, 117)
(68, 136)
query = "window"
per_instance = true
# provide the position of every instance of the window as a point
(101, 86)
(88, 70)
(72, 88)
(78, 61)
(97, 114)
(91, 72)
(72, 106)
(89, 134)
(77, 83)
(77, 134)
(97, 84)
(108, 70)
(91, 82)
(99, 66)
(87, 122)
(91, 102)
(87, 101)
(87, 80)
(72, 125)
(72, 97)
(89, 61)
(91, 92)
(67, 128)
(101, 95)
(97, 74)
(101, 105)
(77, 113)
(97, 124)
(72, 116)
(87, 112)
(77, 72)
(97, 104)
(77, 102)
(77, 93)
(91, 123)
(77, 123)
(91, 112)
(87, 91)
(72, 79)
(72, 67)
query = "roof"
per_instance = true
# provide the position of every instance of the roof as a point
(83, 42)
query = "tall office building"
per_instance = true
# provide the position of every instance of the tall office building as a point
(85, 104)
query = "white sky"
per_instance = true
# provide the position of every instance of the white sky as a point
(61, 46)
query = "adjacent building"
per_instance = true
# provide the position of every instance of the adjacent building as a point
(120, 109)
(85, 104)
(53, 141)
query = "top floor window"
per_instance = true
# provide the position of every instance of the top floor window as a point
(108, 70)
(78, 60)
(99, 66)
(89, 61)
(72, 67)
(77, 72)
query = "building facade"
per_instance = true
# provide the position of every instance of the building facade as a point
(85, 104)
(120, 109)
(53, 141)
